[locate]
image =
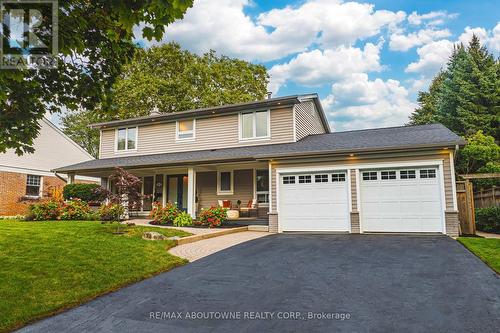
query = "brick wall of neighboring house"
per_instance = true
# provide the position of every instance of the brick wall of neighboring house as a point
(13, 189)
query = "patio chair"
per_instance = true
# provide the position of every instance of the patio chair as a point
(250, 210)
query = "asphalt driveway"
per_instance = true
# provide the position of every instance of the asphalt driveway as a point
(306, 282)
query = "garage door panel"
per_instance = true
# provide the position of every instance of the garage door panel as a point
(314, 206)
(401, 205)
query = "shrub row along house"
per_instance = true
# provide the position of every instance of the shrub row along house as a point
(28, 178)
(278, 156)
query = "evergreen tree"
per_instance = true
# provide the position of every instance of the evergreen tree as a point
(465, 96)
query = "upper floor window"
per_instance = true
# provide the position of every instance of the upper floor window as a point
(185, 129)
(126, 138)
(33, 184)
(254, 125)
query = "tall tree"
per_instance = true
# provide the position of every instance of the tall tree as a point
(465, 96)
(171, 79)
(95, 40)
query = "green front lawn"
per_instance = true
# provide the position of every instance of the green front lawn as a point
(488, 249)
(46, 267)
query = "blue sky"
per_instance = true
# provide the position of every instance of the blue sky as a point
(367, 60)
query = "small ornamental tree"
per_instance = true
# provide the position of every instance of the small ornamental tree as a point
(128, 190)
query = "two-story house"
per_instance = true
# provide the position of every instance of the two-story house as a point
(280, 154)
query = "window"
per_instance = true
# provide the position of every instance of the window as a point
(428, 173)
(370, 175)
(304, 179)
(254, 125)
(262, 186)
(288, 179)
(321, 178)
(385, 175)
(338, 177)
(33, 185)
(225, 182)
(185, 129)
(407, 174)
(126, 138)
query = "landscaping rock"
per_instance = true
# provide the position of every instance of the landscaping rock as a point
(153, 235)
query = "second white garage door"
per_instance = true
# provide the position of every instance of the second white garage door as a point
(314, 202)
(401, 200)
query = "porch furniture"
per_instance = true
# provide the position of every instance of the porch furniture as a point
(250, 210)
(233, 214)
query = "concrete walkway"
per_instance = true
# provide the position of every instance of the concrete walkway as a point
(487, 234)
(206, 247)
(194, 231)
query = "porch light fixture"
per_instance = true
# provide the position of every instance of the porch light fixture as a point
(351, 155)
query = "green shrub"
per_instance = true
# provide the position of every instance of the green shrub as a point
(164, 215)
(213, 217)
(85, 192)
(75, 210)
(111, 212)
(43, 211)
(488, 219)
(183, 220)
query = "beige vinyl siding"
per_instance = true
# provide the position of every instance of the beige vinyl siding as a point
(444, 156)
(307, 120)
(211, 133)
(354, 192)
(206, 188)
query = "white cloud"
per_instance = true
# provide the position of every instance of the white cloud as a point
(432, 57)
(222, 25)
(401, 42)
(358, 102)
(317, 67)
(490, 38)
(430, 19)
(494, 41)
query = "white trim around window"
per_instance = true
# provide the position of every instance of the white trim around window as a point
(136, 139)
(254, 136)
(189, 135)
(225, 192)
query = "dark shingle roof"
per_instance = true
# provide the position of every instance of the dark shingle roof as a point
(393, 138)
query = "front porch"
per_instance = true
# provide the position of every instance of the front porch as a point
(243, 188)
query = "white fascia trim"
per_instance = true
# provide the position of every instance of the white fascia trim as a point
(367, 165)
(349, 197)
(443, 198)
(453, 182)
(26, 171)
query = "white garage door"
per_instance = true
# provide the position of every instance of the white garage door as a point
(401, 200)
(314, 202)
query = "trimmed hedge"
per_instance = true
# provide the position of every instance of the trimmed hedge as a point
(488, 219)
(85, 192)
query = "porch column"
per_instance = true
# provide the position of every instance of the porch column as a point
(191, 195)
(71, 178)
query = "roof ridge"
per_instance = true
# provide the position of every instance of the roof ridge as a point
(378, 129)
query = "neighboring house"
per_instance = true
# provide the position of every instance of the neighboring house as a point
(280, 152)
(27, 178)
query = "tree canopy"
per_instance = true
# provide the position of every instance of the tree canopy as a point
(465, 96)
(171, 79)
(95, 40)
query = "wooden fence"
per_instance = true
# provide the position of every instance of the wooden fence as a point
(487, 198)
(465, 201)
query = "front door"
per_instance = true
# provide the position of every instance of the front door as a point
(177, 190)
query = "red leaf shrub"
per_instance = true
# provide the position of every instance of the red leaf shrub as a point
(213, 217)
(164, 215)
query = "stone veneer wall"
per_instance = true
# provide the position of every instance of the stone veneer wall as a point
(452, 223)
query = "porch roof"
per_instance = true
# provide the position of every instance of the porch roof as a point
(371, 140)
